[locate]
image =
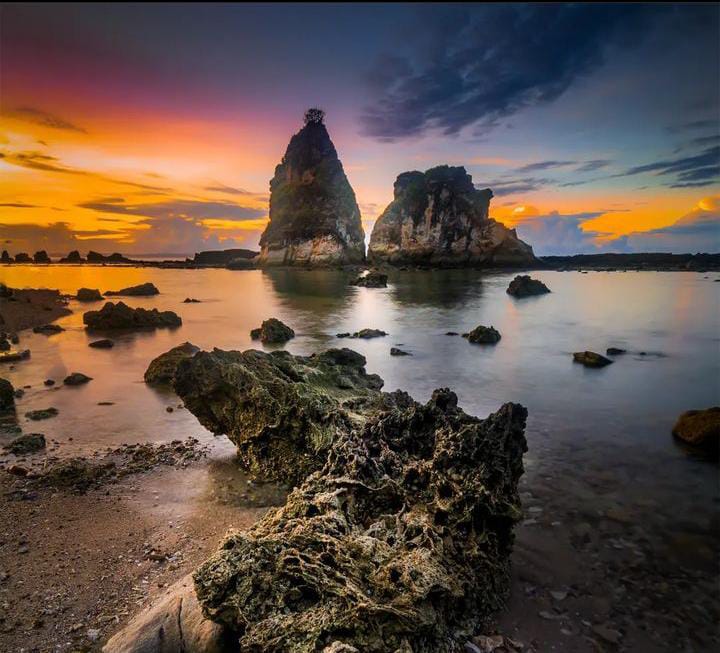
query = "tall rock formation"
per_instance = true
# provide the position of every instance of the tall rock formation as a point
(439, 218)
(314, 217)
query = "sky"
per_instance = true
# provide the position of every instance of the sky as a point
(155, 129)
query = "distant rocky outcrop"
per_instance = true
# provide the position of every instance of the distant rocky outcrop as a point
(121, 316)
(41, 257)
(5, 257)
(314, 216)
(95, 257)
(438, 218)
(221, 258)
(22, 257)
(72, 257)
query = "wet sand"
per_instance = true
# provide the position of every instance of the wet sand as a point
(29, 308)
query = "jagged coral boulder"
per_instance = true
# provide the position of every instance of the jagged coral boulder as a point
(272, 331)
(282, 411)
(400, 543)
(439, 218)
(121, 316)
(162, 368)
(314, 216)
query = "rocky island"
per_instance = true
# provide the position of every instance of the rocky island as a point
(314, 216)
(439, 219)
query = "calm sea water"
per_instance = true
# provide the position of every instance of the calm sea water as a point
(616, 418)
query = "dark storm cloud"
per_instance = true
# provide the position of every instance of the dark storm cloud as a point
(493, 60)
(193, 209)
(40, 117)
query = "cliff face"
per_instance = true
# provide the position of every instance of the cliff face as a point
(314, 217)
(439, 218)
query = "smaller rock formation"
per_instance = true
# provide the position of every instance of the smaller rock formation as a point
(77, 378)
(7, 395)
(191, 300)
(363, 334)
(14, 356)
(95, 257)
(372, 279)
(103, 343)
(26, 443)
(143, 290)
(42, 413)
(121, 316)
(439, 219)
(162, 369)
(272, 331)
(88, 295)
(591, 359)
(41, 257)
(395, 351)
(48, 329)
(72, 257)
(525, 286)
(5, 257)
(401, 542)
(23, 257)
(615, 351)
(483, 335)
(314, 217)
(221, 258)
(700, 428)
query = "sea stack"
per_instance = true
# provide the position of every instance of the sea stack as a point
(438, 218)
(314, 217)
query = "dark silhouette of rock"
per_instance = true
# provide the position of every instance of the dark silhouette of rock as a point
(241, 264)
(7, 395)
(191, 300)
(41, 257)
(72, 257)
(42, 413)
(641, 261)
(95, 257)
(48, 329)
(372, 279)
(143, 290)
(14, 356)
(615, 351)
(700, 428)
(162, 369)
(5, 257)
(283, 412)
(26, 443)
(77, 378)
(483, 335)
(89, 295)
(525, 286)
(104, 343)
(591, 359)
(439, 219)
(314, 217)
(22, 257)
(395, 351)
(121, 316)
(222, 257)
(364, 334)
(272, 331)
(401, 542)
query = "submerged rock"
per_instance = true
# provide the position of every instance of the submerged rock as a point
(364, 334)
(42, 413)
(121, 316)
(395, 351)
(77, 378)
(7, 395)
(174, 624)
(14, 356)
(48, 329)
(283, 412)
(314, 217)
(88, 295)
(103, 343)
(162, 369)
(525, 286)
(591, 359)
(372, 279)
(615, 351)
(700, 428)
(191, 300)
(27, 443)
(438, 218)
(401, 542)
(272, 331)
(143, 290)
(483, 335)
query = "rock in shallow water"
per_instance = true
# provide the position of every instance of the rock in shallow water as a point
(26, 443)
(162, 369)
(283, 412)
(700, 428)
(372, 279)
(400, 542)
(525, 286)
(143, 290)
(272, 331)
(88, 295)
(591, 359)
(7, 395)
(77, 378)
(483, 335)
(121, 316)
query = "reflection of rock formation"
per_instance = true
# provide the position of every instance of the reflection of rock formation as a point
(314, 217)
(439, 218)
(441, 288)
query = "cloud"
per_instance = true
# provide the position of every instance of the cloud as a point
(490, 62)
(40, 117)
(221, 188)
(193, 209)
(19, 205)
(560, 234)
(545, 165)
(592, 166)
(501, 187)
(693, 125)
(700, 169)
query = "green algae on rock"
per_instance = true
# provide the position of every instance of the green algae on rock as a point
(162, 368)
(272, 331)
(483, 335)
(121, 316)
(283, 412)
(401, 542)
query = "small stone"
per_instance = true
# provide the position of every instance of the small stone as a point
(77, 378)
(49, 382)
(93, 634)
(607, 633)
